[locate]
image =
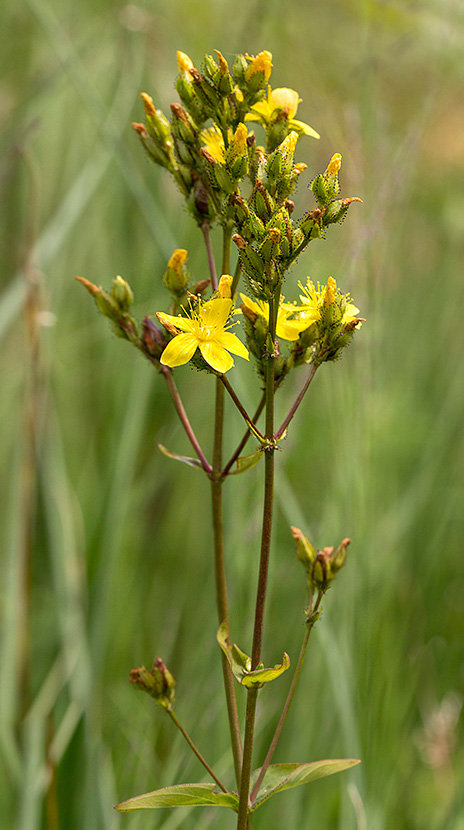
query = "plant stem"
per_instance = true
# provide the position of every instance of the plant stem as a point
(166, 372)
(226, 242)
(243, 804)
(245, 438)
(239, 406)
(312, 371)
(291, 692)
(218, 531)
(243, 807)
(220, 577)
(209, 252)
(192, 746)
(237, 272)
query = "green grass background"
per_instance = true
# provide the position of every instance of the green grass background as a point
(105, 543)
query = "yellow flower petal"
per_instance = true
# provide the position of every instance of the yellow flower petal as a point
(215, 312)
(179, 350)
(233, 344)
(182, 323)
(217, 357)
(303, 128)
(284, 97)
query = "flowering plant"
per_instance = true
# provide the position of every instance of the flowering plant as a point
(229, 181)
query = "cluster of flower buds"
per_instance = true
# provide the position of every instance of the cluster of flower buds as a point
(321, 566)
(326, 188)
(115, 305)
(158, 683)
(206, 162)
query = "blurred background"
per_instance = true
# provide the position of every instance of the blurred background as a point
(106, 544)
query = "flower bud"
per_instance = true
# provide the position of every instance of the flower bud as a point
(263, 202)
(269, 249)
(158, 683)
(176, 276)
(252, 263)
(152, 338)
(258, 71)
(305, 551)
(319, 188)
(331, 176)
(122, 294)
(224, 288)
(183, 125)
(224, 83)
(338, 557)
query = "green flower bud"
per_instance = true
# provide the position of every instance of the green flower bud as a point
(263, 202)
(269, 249)
(183, 125)
(252, 263)
(319, 188)
(122, 294)
(158, 683)
(305, 551)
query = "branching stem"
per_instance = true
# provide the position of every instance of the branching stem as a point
(312, 371)
(166, 372)
(239, 406)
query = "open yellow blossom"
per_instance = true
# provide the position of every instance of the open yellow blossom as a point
(205, 329)
(265, 111)
(316, 300)
(286, 328)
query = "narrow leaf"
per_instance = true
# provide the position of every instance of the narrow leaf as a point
(181, 795)
(281, 777)
(191, 462)
(246, 462)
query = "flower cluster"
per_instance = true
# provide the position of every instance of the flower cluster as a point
(207, 147)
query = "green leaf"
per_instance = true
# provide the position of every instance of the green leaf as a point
(191, 462)
(281, 777)
(247, 462)
(240, 663)
(181, 795)
(259, 676)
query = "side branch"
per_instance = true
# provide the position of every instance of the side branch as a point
(167, 374)
(249, 421)
(291, 414)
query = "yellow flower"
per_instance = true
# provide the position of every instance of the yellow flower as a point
(262, 63)
(316, 300)
(204, 328)
(286, 329)
(214, 142)
(263, 112)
